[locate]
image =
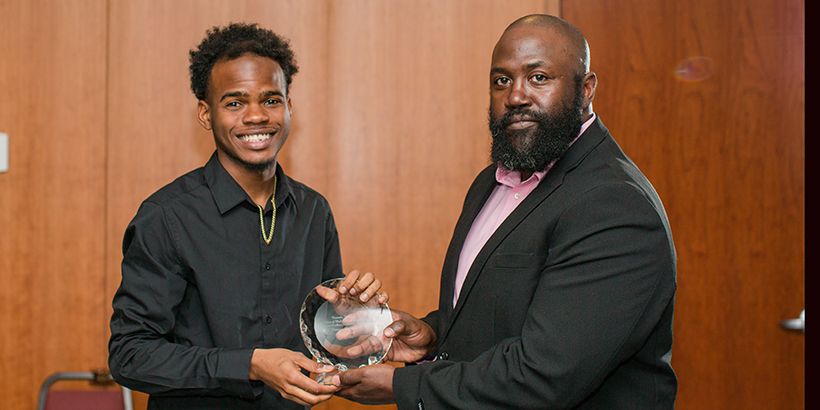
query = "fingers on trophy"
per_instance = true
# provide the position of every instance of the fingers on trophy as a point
(342, 331)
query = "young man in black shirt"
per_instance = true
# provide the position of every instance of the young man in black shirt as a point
(217, 263)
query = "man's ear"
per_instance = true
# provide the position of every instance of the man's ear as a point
(590, 84)
(204, 114)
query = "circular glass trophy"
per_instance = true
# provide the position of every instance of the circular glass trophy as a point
(345, 333)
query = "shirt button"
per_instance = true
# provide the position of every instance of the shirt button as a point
(444, 356)
(267, 266)
(517, 195)
(268, 319)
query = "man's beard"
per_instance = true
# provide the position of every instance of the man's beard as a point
(515, 150)
(258, 166)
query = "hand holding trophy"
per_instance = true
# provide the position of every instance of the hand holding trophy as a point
(342, 331)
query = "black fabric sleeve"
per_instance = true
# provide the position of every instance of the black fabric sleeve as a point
(142, 354)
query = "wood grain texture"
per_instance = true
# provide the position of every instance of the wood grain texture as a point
(52, 105)
(727, 156)
(407, 118)
(408, 126)
(96, 101)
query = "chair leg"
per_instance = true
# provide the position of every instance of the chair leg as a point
(127, 401)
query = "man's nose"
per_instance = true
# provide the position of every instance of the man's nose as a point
(518, 96)
(255, 114)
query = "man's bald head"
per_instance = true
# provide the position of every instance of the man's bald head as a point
(576, 43)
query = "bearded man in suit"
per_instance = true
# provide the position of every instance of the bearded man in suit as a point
(557, 290)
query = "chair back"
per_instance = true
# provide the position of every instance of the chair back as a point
(97, 398)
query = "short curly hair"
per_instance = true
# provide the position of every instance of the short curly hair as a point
(228, 43)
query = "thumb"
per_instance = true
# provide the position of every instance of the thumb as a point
(347, 378)
(312, 366)
(396, 328)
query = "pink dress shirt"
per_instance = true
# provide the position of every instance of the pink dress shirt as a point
(506, 196)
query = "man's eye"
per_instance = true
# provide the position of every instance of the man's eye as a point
(272, 101)
(539, 77)
(502, 81)
(232, 104)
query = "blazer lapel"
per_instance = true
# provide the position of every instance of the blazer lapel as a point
(478, 194)
(593, 136)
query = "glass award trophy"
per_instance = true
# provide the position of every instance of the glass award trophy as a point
(346, 333)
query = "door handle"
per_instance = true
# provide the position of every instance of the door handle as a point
(795, 324)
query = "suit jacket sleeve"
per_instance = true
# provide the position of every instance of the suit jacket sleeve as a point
(607, 279)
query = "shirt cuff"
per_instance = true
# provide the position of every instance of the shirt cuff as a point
(233, 368)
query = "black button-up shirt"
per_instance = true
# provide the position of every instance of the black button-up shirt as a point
(201, 289)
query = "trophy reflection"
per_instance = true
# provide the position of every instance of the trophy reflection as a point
(345, 333)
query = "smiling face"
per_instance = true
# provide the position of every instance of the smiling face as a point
(248, 111)
(539, 96)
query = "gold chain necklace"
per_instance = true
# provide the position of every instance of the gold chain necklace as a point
(268, 237)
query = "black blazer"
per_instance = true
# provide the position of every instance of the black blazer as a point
(568, 305)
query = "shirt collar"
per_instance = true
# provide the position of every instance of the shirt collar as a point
(228, 193)
(586, 125)
(513, 178)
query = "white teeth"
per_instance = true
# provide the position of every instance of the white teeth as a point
(255, 137)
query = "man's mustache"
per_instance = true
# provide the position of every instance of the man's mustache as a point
(517, 114)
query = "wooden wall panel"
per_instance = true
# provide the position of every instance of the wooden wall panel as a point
(389, 123)
(52, 105)
(407, 117)
(727, 156)
(408, 124)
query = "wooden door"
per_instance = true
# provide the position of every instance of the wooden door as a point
(708, 99)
